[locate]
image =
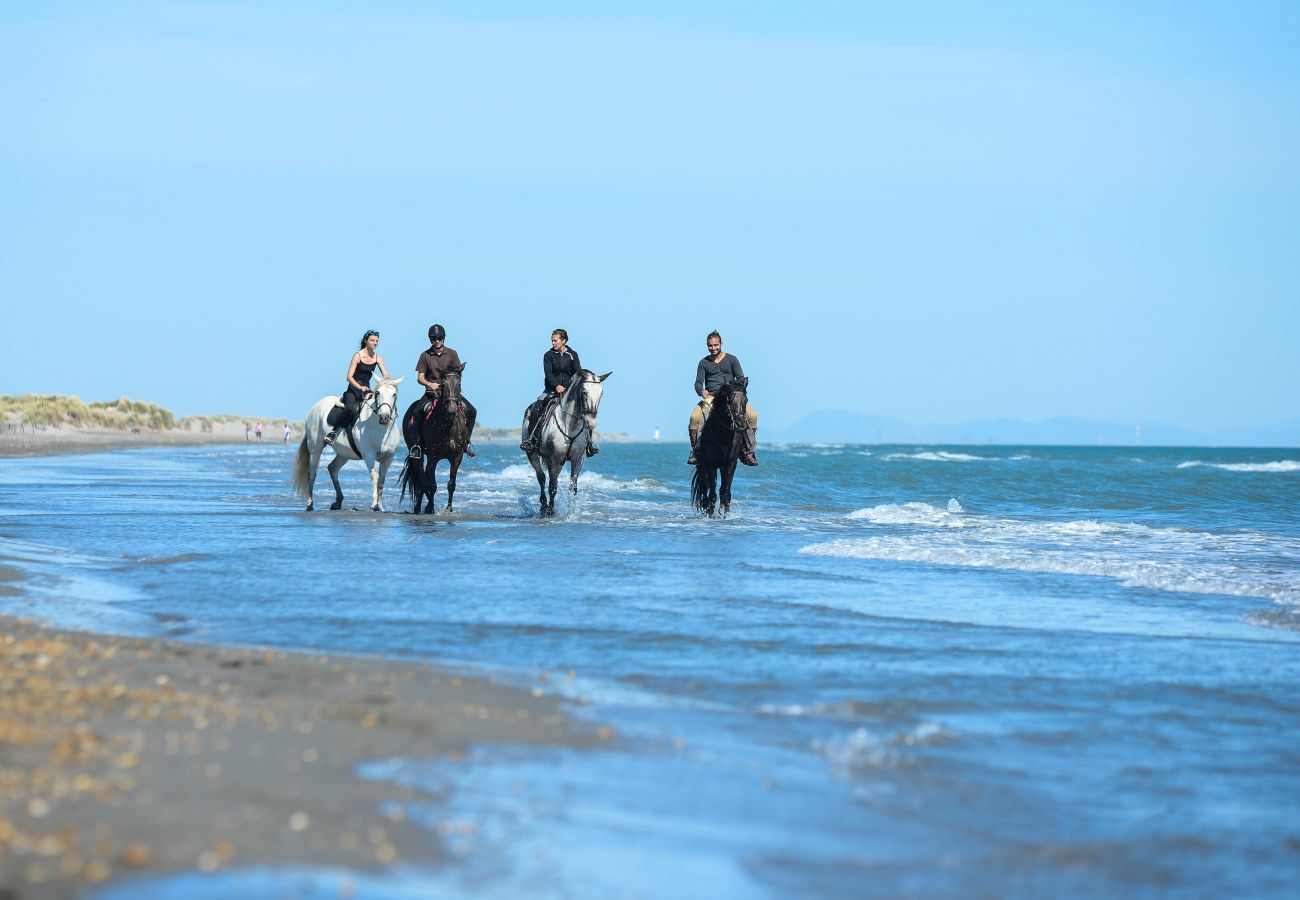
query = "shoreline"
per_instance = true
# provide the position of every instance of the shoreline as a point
(52, 440)
(128, 756)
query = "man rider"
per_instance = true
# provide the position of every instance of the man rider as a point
(430, 369)
(715, 370)
(559, 365)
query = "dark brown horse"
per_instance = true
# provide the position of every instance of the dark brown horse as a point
(720, 442)
(442, 434)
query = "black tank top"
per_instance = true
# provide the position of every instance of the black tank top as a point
(364, 371)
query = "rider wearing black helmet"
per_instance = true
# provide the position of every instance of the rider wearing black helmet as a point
(559, 365)
(430, 369)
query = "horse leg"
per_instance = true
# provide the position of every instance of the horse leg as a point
(554, 465)
(451, 479)
(335, 464)
(431, 485)
(575, 469)
(541, 482)
(374, 484)
(384, 463)
(728, 473)
(312, 466)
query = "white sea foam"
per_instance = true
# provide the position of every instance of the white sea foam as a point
(862, 749)
(914, 514)
(1247, 564)
(937, 456)
(1281, 465)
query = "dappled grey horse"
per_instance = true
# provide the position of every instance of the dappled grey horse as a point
(565, 434)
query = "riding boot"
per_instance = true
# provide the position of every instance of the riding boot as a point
(529, 443)
(469, 450)
(592, 449)
(695, 440)
(747, 454)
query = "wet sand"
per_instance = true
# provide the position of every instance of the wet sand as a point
(69, 439)
(122, 757)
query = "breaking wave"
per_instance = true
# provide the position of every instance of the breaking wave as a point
(1245, 564)
(1281, 465)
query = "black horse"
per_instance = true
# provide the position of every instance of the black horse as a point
(718, 449)
(442, 434)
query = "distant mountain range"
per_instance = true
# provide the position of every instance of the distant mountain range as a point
(842, 427)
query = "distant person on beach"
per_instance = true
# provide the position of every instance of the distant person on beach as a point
(715, 370)
(360, 368)
(248, 432)
(286, 434)
(430, 369)
(559, 365)
(259, 430)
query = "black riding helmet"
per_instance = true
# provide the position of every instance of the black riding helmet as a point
(437, 333)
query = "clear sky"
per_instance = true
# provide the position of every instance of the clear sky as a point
(930, 211)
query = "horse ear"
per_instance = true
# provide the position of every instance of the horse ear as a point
(462, 367)
(399, 379)
(606, 375)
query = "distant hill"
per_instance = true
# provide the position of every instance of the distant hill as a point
(843, 427)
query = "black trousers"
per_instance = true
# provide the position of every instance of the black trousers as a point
(415, 416)
(342, 418)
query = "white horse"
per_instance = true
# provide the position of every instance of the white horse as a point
(376, 438)
(565, 434)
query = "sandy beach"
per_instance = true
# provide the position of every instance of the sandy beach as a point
(123, 757)
(44, 440)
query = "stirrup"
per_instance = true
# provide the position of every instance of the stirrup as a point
(415, 452)
(692, 460)
(528, 446)
(748, 458)
(469, 450)
(592, 449)
(329, 438)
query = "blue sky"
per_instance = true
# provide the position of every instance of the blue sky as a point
(934, 212)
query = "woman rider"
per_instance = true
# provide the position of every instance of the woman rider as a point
(360, 368)
(559, 365)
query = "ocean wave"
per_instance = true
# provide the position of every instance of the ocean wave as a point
(937, 456)
(862, 750)
(1281, 465)
(915, 514)
(1244, 564)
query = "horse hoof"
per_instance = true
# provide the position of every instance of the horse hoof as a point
(337, 504)
(311, 507)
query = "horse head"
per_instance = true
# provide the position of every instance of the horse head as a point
(587, 390)
(451, 386)
(385, 401)
(732, 399)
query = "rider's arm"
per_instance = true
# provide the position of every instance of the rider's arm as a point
(548, 371)
(421, 375)
(699, 380)
(382, 371)
(352, 368)
(737, 373)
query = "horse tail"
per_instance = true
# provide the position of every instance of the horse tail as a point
(404, 479)
(300, 464)
(700, 483)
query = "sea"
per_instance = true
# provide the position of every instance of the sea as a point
(891, 671)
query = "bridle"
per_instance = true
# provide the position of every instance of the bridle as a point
(379, 408)
(583, 410)
(731, 412)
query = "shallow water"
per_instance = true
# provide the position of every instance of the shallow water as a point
(893, 670)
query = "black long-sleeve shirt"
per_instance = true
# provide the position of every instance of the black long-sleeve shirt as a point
(709, 375)
(559, 367)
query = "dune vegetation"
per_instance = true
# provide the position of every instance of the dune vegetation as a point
(55, 409)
